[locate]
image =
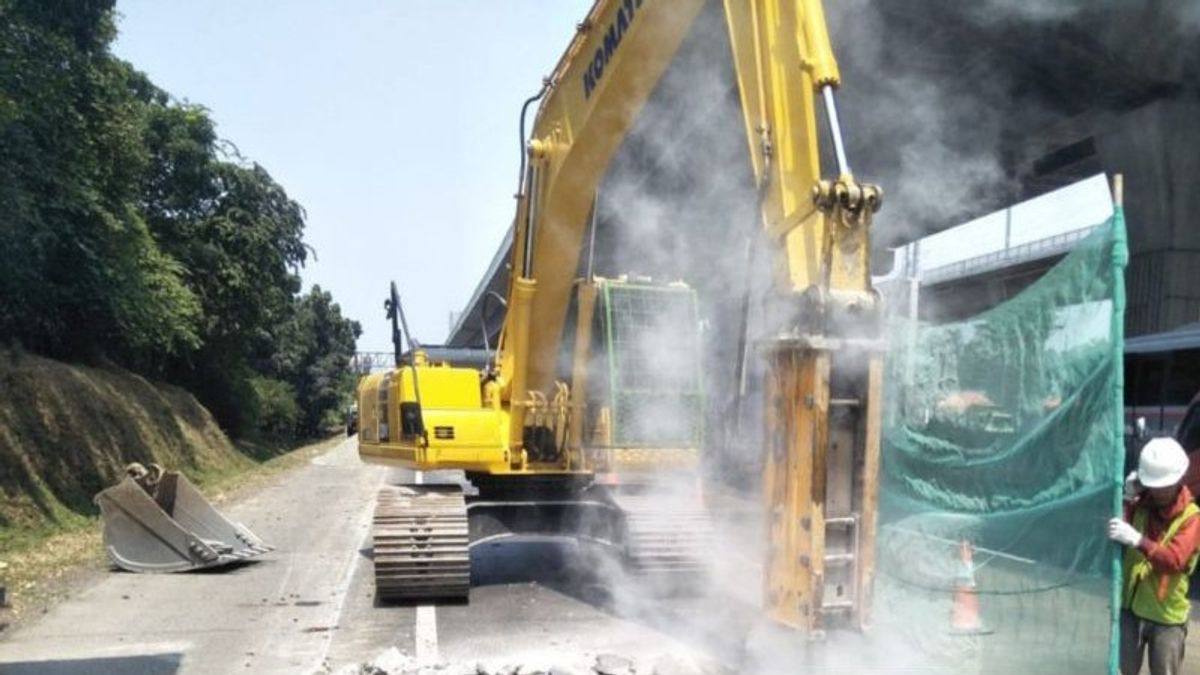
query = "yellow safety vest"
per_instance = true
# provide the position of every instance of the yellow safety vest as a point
(1142, 581)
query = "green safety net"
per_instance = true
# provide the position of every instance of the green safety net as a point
(1004, 431)
(652, 341)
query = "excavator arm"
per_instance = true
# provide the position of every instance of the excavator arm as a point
(824, 369)
(593, 96)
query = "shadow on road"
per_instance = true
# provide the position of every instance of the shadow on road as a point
(550, 561)
(229, 568)
(150, 664)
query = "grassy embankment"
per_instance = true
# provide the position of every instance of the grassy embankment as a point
(67, 432)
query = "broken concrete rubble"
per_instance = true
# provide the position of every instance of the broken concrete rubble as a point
(611, 664)
(390, 661)
(395, 662)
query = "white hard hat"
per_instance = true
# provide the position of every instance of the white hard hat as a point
(1162, 463)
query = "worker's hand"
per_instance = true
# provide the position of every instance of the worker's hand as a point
(1133, 487)
(1123, 533)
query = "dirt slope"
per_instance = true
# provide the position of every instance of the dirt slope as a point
(67, 432)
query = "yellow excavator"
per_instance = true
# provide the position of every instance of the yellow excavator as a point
(589, 416)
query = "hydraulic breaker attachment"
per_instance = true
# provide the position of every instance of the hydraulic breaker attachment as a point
(156, 521)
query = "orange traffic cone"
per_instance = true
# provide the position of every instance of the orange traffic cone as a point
(964, 614)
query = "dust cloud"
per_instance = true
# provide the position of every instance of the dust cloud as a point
(948, 105)
(679, 204)
(935, 150)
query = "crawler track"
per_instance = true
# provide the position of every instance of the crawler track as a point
(665, 537)
(421, 543)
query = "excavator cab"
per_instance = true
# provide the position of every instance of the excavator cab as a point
(640, 379)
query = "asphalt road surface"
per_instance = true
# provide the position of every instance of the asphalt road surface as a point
(309, 606)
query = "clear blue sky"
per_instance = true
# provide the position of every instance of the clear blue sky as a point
(394, 123)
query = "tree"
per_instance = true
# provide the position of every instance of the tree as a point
(238, 235)
(313, 354)
(82, 274)
(131, 232)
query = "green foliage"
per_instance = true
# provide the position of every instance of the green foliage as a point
(274, 407)
(240, 237)
(81, 267)
(130, 232)
(313, 351)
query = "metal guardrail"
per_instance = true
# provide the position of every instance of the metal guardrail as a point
(1008, 257)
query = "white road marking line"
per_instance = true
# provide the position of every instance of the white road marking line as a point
(426, 634)
(425, 631)
(343, 584)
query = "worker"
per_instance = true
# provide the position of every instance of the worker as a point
(1160, 532)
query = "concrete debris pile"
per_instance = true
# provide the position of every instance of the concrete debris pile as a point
(395, 662)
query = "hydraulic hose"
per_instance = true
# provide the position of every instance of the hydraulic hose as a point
(483, 313)
(524, 109)
(396, 312)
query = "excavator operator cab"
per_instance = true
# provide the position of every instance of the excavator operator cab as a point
(640, 374)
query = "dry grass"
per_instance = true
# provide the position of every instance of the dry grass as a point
(42, 574)
(67, 432)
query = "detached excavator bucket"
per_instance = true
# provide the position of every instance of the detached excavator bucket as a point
(157, 521)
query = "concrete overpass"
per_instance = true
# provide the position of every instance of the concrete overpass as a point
(963, 270)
